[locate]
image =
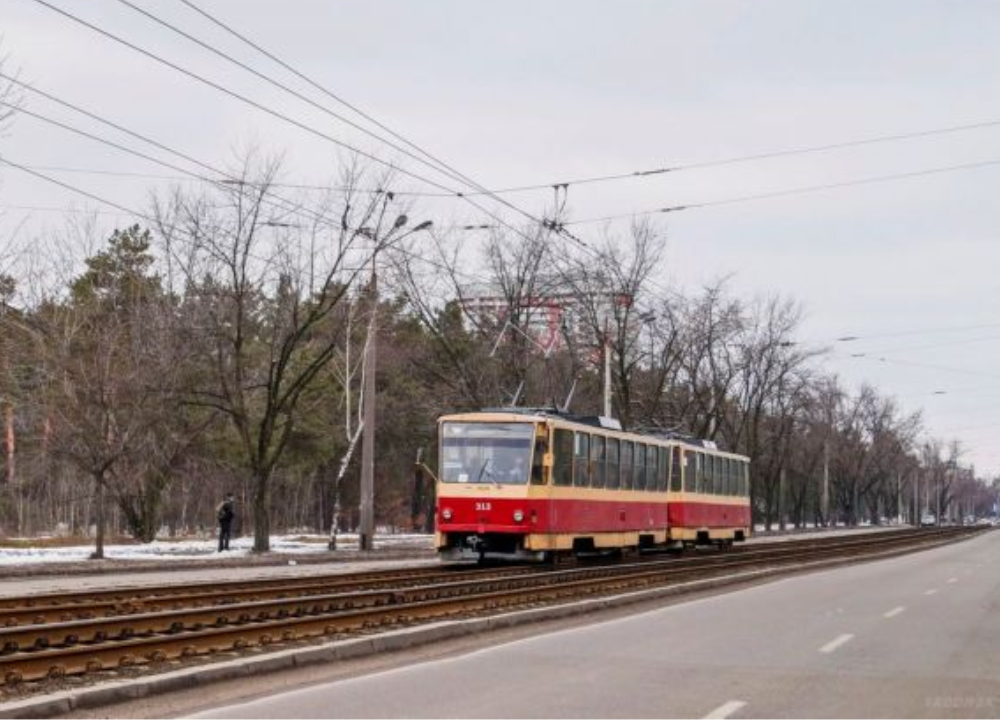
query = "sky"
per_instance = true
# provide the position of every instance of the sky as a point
(520, 92)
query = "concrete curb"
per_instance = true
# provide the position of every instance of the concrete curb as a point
(64, 702)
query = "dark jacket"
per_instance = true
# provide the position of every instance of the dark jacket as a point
(225, 512)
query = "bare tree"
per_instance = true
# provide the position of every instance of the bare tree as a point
(262, 302)
(609, 291)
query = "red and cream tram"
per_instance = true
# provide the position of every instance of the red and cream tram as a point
(534, 484)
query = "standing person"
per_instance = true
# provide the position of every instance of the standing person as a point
(226, 513)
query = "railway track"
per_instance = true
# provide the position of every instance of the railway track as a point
(54, 635)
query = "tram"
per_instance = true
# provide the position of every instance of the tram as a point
(536, 484)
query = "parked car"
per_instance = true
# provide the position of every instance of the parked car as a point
(928, 520)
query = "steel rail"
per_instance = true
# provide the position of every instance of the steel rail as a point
(88, 605)
(153, 637)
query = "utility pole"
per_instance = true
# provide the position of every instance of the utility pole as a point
(366, 538)
(937, 500)
(899, 499)
(781, 500)
(607, 370)
(825, 499)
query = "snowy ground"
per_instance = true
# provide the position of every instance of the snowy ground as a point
(192, 549)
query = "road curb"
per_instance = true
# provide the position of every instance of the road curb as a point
(64, 702)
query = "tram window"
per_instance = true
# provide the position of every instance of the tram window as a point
(651, 478)
(626, 464)
(563, 469)
(715, 465)
(675, 469)
(663, 469)
(734, 477)
(614, 479)
(597, 460)
(699, 472)
(639, 467)
(727, 476)
(581, 460)
(746, 479)
(538, 460)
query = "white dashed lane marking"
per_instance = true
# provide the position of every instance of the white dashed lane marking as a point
(836, 643)
(724, 711)
(930, 592)
(952, 580)
(894, 612)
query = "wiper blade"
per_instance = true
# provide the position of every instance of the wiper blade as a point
(491, 476)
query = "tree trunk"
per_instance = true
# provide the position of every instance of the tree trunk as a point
(99, 509)
(261, 516)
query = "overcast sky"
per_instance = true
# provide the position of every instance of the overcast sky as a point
(520, 92)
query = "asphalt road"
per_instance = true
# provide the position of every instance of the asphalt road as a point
(916, 636)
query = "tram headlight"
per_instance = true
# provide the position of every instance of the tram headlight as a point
(518, 516)
(446, 514)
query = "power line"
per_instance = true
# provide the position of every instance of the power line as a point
(195, 178)
(294, 93)
(222, 184)
(74, 189)
(242, 98)
(283, 205)
(558, 228)
(480, 190)
(904, 333)
(301, 125)
(926, 346)
(792, 191)
(928, 366)
(551, 225)
(748, 158)
(228, 179)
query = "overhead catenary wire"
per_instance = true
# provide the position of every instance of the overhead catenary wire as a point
(301, 125)
(481, 190)
(792, 191)
(294, 93)
(849, 338)
(276, 201)
(79, 191)
(239, 96)
(928, 366)
(282, 205)
(478, 188)
(226, 179)
(706, 164)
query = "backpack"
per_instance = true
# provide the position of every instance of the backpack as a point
(224, 513)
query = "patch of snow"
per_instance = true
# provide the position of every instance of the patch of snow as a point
(190, 549)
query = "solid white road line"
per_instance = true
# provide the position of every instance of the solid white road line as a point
(930, 592)
(836, 643)
(724, 711)
(894, 612)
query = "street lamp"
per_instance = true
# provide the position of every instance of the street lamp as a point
(366, 536)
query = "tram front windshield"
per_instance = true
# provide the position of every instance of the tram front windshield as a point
(486, 453)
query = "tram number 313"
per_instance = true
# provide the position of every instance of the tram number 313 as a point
(483, 506)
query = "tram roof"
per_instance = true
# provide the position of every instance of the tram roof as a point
(596, 421)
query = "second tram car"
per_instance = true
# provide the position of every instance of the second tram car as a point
(535, 484)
